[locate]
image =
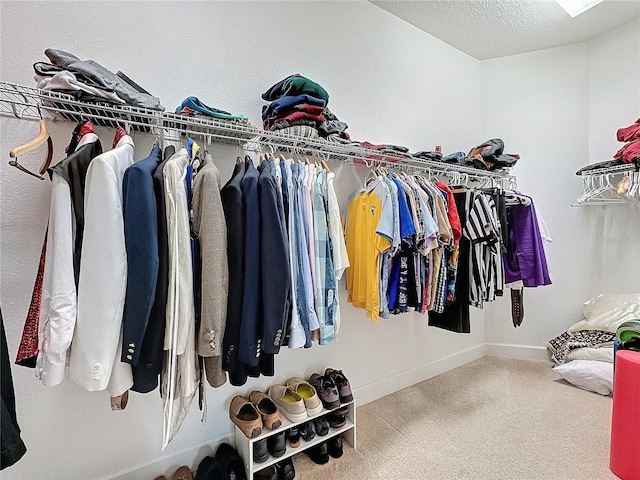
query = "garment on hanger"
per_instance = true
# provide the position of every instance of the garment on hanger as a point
(94, 363)
(208, 218)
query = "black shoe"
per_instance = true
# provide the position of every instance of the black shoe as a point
(293, 435)
(344, 388)
(231, 462)
(286, 470)
(209, 469)
(321, 426)
(277, 444)
(319, 453)
(334, 446)
(336, 420)
(261, 450)
(269, 473)
(306, 431)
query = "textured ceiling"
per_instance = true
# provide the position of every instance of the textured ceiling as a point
(497, 28)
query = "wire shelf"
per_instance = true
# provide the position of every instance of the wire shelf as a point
(33, 103)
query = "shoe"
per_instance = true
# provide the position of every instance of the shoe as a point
(321, 426)
(183, 473)
(293, 435)
(277, 444)
(334, 446)
(306, 431)
(327, 391)
(260, 450)
(209, 469)
(344, 388)
(269, 473)
(285, 469)
(289, 403)
(318, 454)
(231, 462)
(245, 416)
(271, 418)
(311, 400)
(336, 420)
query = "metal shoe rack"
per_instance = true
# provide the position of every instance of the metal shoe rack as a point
(35, 104)
(245, 445)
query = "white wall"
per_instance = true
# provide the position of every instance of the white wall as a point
(389, 81)
(560, 109)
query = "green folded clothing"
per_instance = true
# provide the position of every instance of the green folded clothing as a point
(628, 330)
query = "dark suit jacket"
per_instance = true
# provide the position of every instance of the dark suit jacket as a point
(141, 240)
(231, 195)
(276, 281)
(249, 348)
(149, 366)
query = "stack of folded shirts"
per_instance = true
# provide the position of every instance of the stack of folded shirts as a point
(388, 150)
(631, 150)
(490, 156)
(300, 102)
(89, 81)
(193, 106)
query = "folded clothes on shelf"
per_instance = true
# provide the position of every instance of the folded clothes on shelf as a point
(193, 106)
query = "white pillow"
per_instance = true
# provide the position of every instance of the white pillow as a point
(601, 354)
(608, 311)
(588, 374)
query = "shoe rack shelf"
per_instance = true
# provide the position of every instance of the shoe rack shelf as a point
(244, 445)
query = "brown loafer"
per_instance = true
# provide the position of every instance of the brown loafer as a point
(268, 410)
(183, 473)
(245, 416)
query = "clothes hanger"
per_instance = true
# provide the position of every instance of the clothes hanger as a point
(43, 136)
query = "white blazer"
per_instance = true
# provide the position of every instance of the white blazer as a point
(95, 358)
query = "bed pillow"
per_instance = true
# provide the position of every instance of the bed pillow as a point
(608, 311)
(588, 374)
(601, 354)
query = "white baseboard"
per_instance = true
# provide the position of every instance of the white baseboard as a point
(524, 352)
(378, 389)
(167, 464)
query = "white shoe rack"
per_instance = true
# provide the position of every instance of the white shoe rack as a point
(244, 445)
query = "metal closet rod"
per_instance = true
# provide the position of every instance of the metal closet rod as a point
(32, 103)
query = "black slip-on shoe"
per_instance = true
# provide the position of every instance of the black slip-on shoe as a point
(293, 435)
(277, 444)
(321, 426)
(231, 462)
(306, 431)
(261, 450)
(285, 468)
(269, 473)
(319, 453)
(336, 420)
(334, 446)
(209, 469)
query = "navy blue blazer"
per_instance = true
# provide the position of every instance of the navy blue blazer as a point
(149, 366)
(276, 278)
(231, 195)
(251, 323)
(141, 241)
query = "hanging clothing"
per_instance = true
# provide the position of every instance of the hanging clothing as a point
(146, 372)
(274, 258)
(208, 218)
(232, 203)
(13, 448)
(180, 375)
(94, 363)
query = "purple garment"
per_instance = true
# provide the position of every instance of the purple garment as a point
(525, 259)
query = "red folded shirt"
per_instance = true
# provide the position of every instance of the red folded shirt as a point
(629, 152)
(295, 116)
(630, 133)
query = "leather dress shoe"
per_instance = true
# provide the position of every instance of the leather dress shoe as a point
(319, 453)
(261, 450)
(286, 470)
(293, 435)
(277, 444)
(231, 462)
(209, 469)
(269, 473)
(321, 426)
(336, 420)
(306, 431)
(334, 446)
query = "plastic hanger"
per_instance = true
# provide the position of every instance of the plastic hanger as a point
(43, 136)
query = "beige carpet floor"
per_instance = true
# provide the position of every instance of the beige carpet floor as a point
(491, 419)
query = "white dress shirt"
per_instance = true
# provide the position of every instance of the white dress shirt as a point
(94, 362)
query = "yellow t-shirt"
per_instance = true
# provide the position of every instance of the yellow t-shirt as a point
(369, 230)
